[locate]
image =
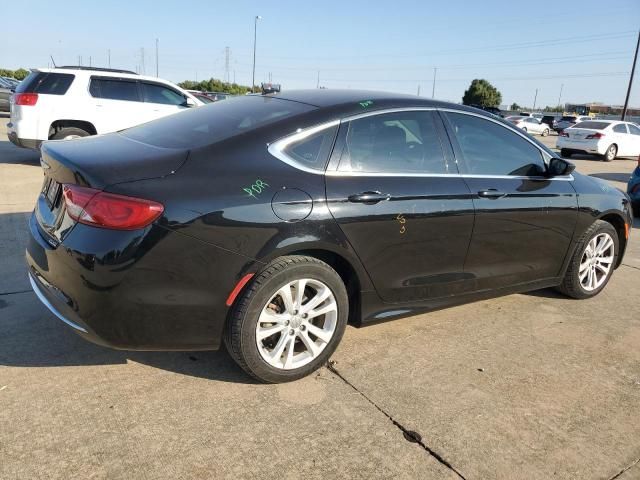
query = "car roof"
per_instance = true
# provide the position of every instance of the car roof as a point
(94, 71)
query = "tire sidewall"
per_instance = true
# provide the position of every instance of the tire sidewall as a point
(66, 131)
(258, 299)
(606, 154)
(602, 228)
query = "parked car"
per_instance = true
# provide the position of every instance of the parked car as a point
(524, 114)
(6, 90)
(568, 121)
(494, 110)
(609, 139)
(537, 115)
(13, 83)
(633, 189)
(270, 221)
(529, 124)
(70, 102)
(550, 120)
(203, 98)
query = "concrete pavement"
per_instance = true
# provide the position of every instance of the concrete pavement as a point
(531, 386)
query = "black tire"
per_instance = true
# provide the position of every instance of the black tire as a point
(65, 132)
(240, 332)
(571, 285)
(565, 153)
(524, 129)
(611, 153)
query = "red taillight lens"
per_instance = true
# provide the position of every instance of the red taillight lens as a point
(25, 99)
(108, 210)
(594, 136)
(563, 134)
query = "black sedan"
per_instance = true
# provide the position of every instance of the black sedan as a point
(271, 221)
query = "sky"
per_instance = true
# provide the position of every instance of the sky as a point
(583, 48)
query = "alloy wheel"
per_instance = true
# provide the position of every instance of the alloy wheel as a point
(596, 262)
(296, 324)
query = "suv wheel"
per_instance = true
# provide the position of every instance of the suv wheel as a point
(289, 320)
(611, 152)
(69, 133)
(593, 262)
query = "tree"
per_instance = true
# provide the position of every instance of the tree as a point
(215, 85)
(482, 93)
(515, 106)
(20, 74)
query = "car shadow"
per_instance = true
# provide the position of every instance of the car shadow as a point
(614, 177)
(9, 153)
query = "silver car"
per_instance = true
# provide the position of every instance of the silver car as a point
(530, 124)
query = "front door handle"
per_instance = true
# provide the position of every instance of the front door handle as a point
(491, 193)
(369, 198)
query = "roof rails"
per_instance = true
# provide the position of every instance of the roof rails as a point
(97, 69)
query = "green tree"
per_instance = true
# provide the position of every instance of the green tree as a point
(20, 74)
(515, 106)
(481, 92)
(215, 85)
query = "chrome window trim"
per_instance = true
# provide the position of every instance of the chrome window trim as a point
(562, 178)
(277, 148)
(52, 309)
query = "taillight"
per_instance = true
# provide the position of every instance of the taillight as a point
(25, 99)
(594, 135)
(563, 134)
(109, 210)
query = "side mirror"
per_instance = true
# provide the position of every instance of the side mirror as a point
(189, 102)
(559, 166)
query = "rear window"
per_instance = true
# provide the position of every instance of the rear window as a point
(218, 121)
(48, 83)
(593, 125)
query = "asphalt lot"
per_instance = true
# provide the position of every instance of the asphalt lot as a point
(531, 386)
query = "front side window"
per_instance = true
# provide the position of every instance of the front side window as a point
(400, 142)
(633, 130)
(114, 89)
(153, 93)
(491, 149)
(620, 128)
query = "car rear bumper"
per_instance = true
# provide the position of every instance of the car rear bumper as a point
(24, 142)
(593, 147)
(134, 290)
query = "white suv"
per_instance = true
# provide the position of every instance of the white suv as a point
(71, 102)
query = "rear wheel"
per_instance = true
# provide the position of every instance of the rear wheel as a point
(524, 129)
(545, 132)
(289, 320)
(69, 133)
(611, 152)
(592, 263)
(565, 153)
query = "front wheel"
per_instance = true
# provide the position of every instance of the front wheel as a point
(592, 263)
(545, 132)
(289, 320)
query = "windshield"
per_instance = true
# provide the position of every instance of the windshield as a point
(209, 124)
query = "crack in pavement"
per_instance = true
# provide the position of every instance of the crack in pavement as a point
(15, 293)
(630, 266)
(617, 475)
(408, 434)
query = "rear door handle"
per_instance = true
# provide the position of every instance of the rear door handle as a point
(491, 193)
(369, 197)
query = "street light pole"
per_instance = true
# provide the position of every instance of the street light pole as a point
(633, 68)
(560, 96)
(535, 99)
(255, 36)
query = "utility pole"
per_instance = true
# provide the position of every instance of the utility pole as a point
(318, 82)
(255, 36)
(142, 69)
(433, 90)
(79, 60)
(418, 90)
(109, 57)
(234, 76)
(157, 68)
(89, 60)
(535, 99)
(560, 96)
(226, 64)
(633, 68)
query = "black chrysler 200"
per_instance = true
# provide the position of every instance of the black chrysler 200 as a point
(271, 221)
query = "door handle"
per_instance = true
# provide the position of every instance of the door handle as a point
(491, 193)
(369, 197)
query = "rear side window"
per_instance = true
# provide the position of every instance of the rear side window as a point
(154, 93)
(198, 127)
(114, 89)
(312, 151)
(402, 142)
(620, 128)
(491, 149)
(49, 83)
(633, 130)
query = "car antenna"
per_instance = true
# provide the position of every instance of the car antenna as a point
(53, 61)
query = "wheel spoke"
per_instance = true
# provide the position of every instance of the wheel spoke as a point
(602, 268)
(313, 349)
(269, 316)
(583, 266)
(323, 335)
(322, 310)
(276, 353)
(287, 299)
(288, 359)
(267, 332)
(300, 286)
(320, 297)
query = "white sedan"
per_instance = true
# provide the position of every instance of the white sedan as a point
(529, 124)
(609, 139)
